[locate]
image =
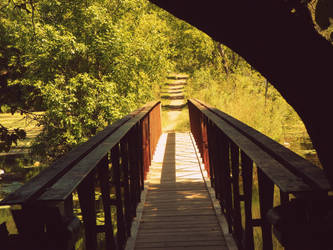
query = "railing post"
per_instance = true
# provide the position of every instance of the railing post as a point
(141, 154)
(215, 176)
(204, 149)
(237, 216)
(127, 203)
(121, 234)
(247, 173)
(134, 144)
(86, 193)
(103, 174)
(266, 195)
(224, 159)
(155, 128)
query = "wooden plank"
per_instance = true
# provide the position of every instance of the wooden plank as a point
(178, 213)
(71, 179)
(173, 225)
(208, 227)
(182, 206)
(311, 174)
(282, 177)
(195, 245)
(192, 236)
(199, 247)
(176, 193)
(166, 187)
(199, 219)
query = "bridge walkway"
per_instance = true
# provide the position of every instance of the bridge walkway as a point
(178, 212)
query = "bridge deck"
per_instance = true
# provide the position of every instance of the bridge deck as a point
(178, 212)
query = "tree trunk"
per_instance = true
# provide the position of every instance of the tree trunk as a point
(223, 58)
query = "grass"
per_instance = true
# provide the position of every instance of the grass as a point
(174, 120)
(182, 124)
(243, 98)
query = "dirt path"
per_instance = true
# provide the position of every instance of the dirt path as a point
(173, 103)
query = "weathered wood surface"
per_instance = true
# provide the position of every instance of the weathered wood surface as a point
(36, 186)
(71, 179)
(178, 212)
(287, 181)
(311, 174)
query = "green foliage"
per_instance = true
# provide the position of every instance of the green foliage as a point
(7, 138)
(243, 95)
(75, 110)
(85, 63)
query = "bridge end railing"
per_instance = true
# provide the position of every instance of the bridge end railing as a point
(241, 162)
(91, 194)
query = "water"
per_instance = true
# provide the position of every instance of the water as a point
(18, 168)
(7, 188)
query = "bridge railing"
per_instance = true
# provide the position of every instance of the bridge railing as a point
(97, 184)
(233, 153)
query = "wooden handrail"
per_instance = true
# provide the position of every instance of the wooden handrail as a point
(114, 162)
(230, 151)
(310, 173)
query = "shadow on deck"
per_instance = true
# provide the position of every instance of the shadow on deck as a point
(180, 97)
(174, 107)
(178, 211)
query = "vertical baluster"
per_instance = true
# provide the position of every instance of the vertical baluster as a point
(197, 126)
(237, 216)
(68, 209)
(205, 145)
(134, 169)
(146, 141)
(121, 236)
(217, 168)
(266, 195)
(247, 173)
(103, 174)
(140, 150)
(151, 132)
(127, 201)
(68, 206)
(149, 143)
(223, 156)
(86, 193)
(143, 150)
(215, 173)
(199, 132)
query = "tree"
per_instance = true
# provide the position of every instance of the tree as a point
(282, 45)
(84, 63)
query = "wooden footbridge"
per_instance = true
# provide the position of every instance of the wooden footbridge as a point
(134, 187)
